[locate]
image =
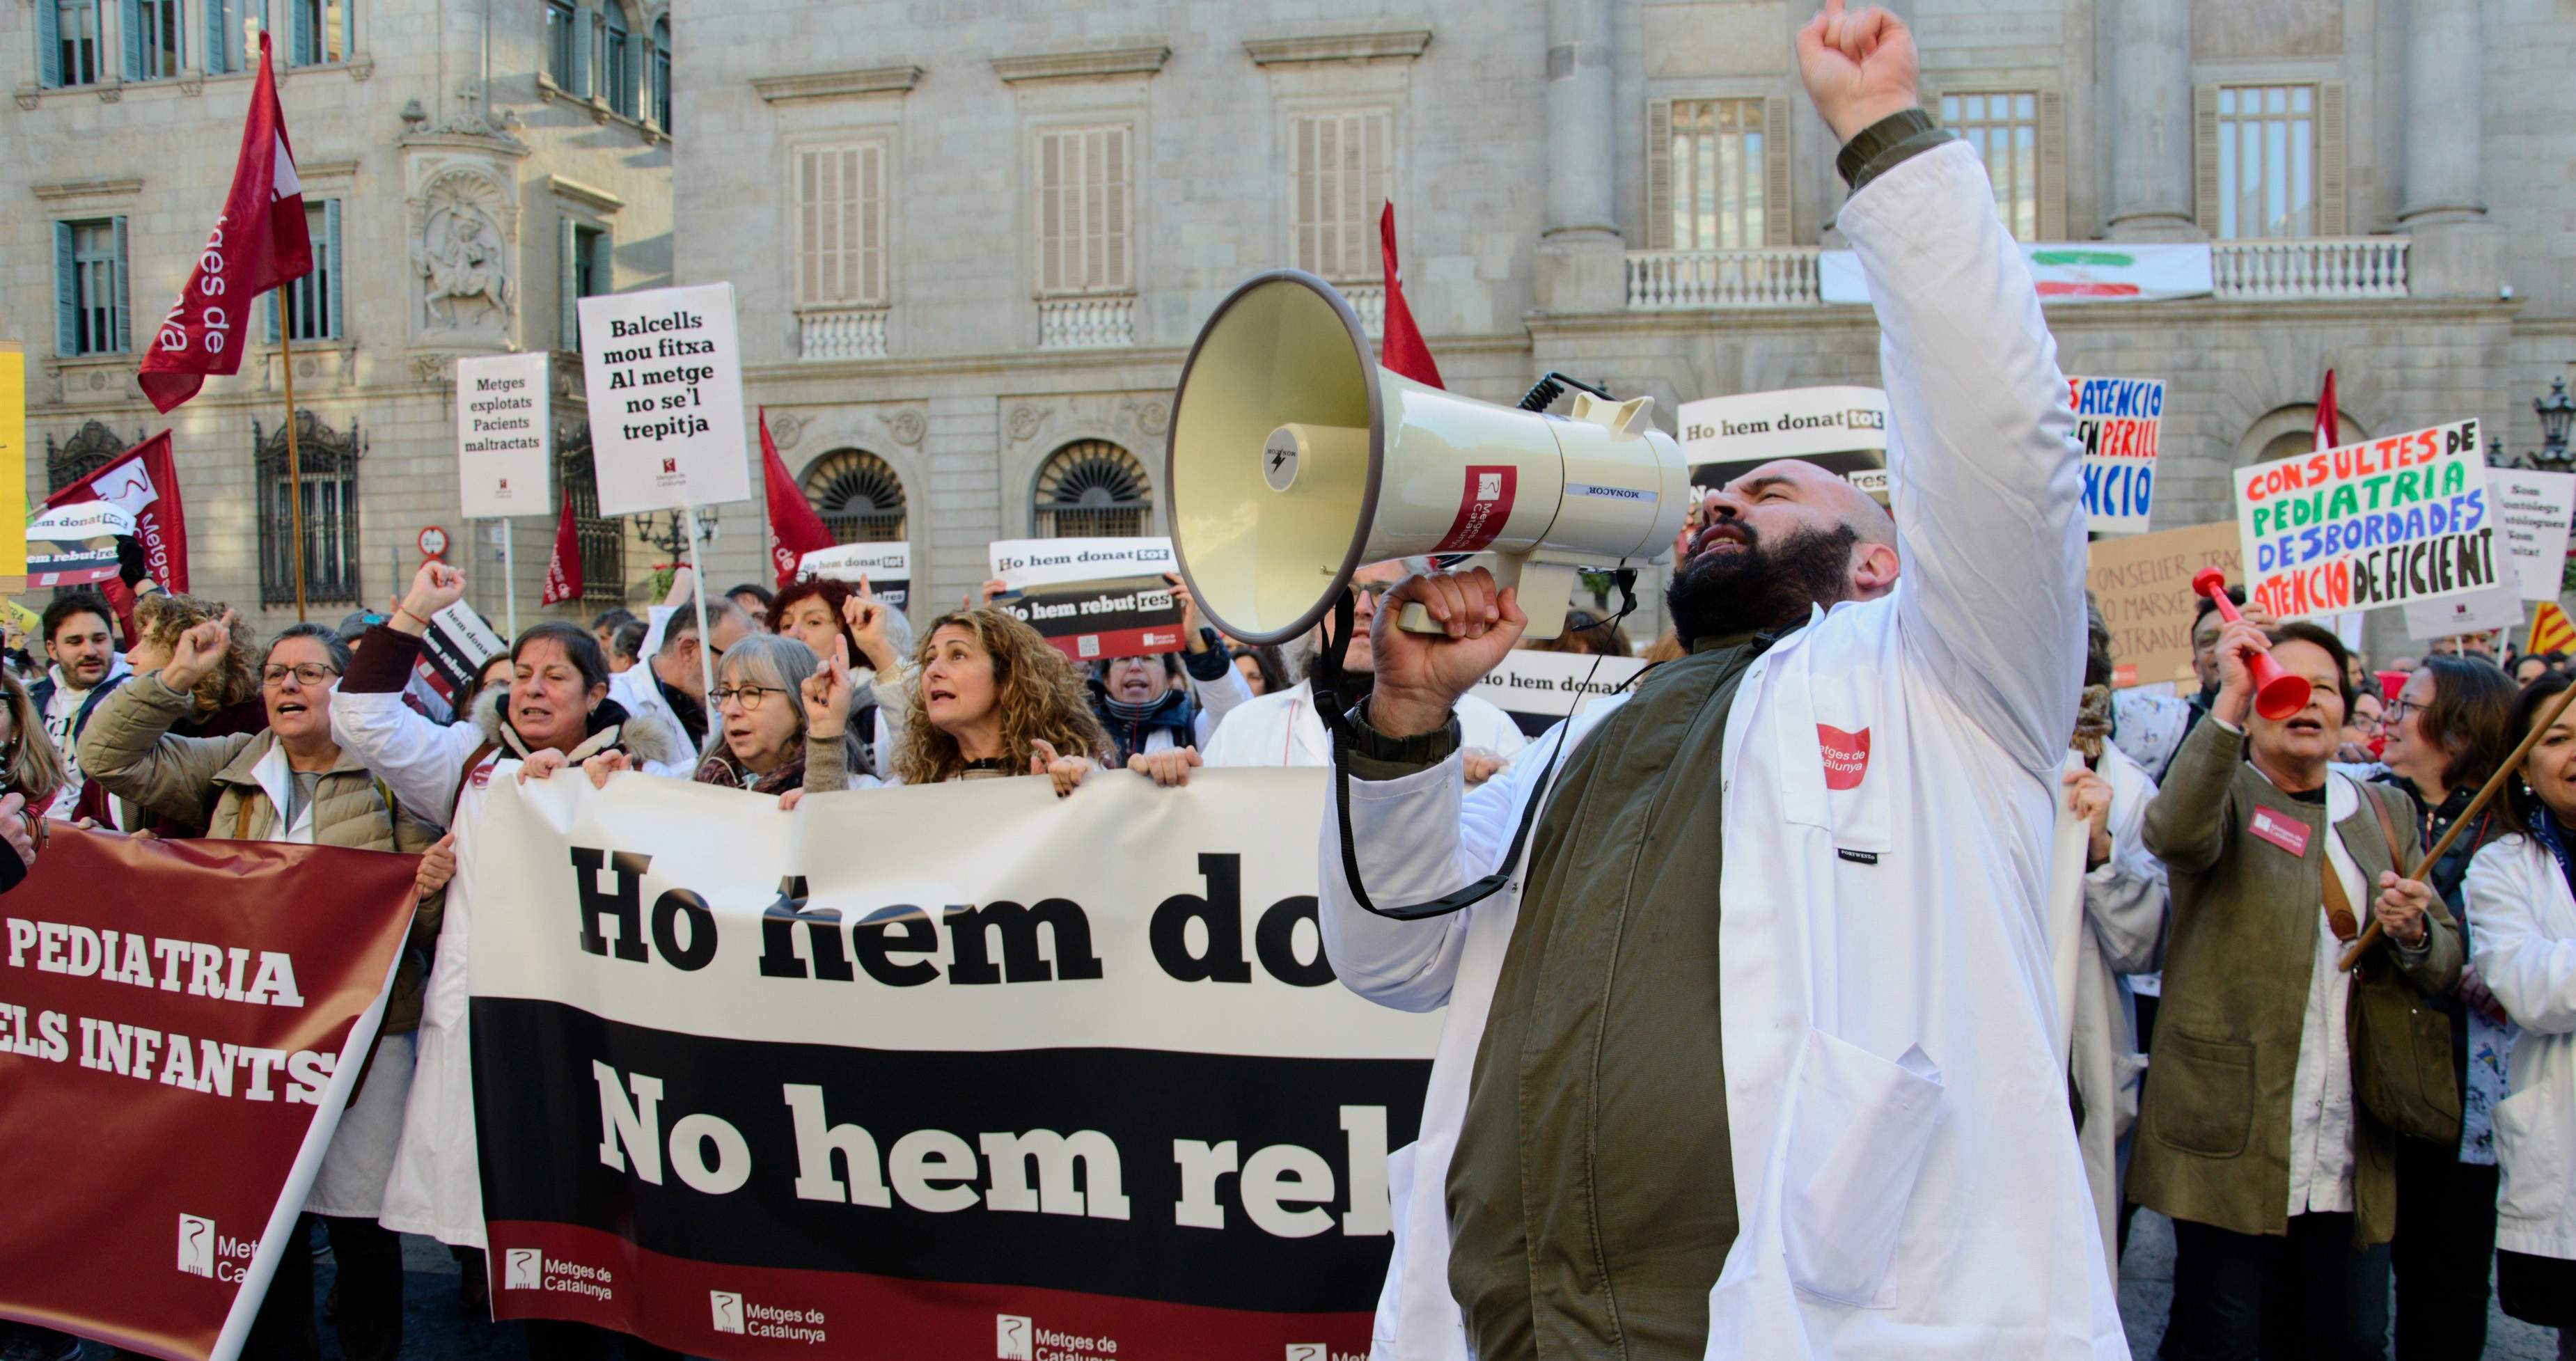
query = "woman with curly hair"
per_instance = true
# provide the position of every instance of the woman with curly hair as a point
(989, 697)
(29, 765)
(227, 701)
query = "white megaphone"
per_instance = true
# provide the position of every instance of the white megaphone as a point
(1295, 460)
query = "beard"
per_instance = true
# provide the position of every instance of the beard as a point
(1762, 585)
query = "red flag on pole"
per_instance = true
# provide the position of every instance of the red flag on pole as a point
(1402, 350)
(144, 483)
(259, 243)
(794, 529)
(563, 570)
(2329, 426)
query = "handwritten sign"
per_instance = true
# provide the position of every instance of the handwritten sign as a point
(2117, 420)
(2535, 508)
(2382, 522)
(2142, 583)
(664, 374)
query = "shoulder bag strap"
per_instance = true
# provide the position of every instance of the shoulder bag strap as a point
(465, 777)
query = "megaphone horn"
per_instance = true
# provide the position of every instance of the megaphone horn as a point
(1295, 460)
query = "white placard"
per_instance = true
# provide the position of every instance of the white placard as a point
(1552, 682)
(2497, 607)
(878, 562)
(503, 435)
(80, 520)
(1794, 423)
(1022, 563)
(2535, 508)
(664, 373)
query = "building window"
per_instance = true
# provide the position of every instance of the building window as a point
(2003, 128)
(588, 269)
(840, 225)
(857, 495)
(317, 31)
(90, 287)
(602, 540)
(1084, 204)
(152, 50)
(1092, 489)
(90, 448)
(312, 303)
(662, 73)
(561, 22)
(232, 34)
(329, 476)
(617, 61)
(67, 43)
(1338, 165)
(1718, 201)
(2266, 161)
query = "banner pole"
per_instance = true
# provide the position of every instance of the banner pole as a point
(698, 593)
(509, 579)
(294, 459)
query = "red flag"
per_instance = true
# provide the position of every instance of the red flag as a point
(794, 529)
(563, 570)
(2329, 425)
(1402, 350)
(144, 483)
(259, 243)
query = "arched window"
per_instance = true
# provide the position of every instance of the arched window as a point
(662, 72)
(90, 448)
(857, 495)
(617, 61)
(602, 540)
(1092, 489)
(329, 463)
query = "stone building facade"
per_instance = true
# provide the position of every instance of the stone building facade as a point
(460, 181)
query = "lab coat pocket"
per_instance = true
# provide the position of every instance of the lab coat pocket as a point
(1390, 1299)
(1856, 778)
(2533, 1151)
(1857, 1138)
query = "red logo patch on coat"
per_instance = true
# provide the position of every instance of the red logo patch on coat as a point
(2280, 829)
(1846, 755)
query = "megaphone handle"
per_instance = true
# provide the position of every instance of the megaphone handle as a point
(1415, 619)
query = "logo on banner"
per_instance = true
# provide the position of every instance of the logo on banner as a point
(1308, 1351)
(525, 1269)
(197, 1246)
(2283, 831)
(1846, 755)
(728, 1310)
(1013, 1335)
(1484, 505)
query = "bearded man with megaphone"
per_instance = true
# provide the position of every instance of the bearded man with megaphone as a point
(1754, 1056)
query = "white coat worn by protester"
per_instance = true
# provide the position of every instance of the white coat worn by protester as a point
(1841, 978)
(2525, 949)
(1283, 729)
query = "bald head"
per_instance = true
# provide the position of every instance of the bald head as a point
(1833, 496)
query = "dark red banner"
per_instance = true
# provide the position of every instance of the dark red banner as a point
(175, 1016)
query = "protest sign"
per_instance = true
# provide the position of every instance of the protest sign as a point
(183, 1027)
(2381, 522)
(2116, 420)
(2497, 607)
(143, 482)
(1538, 688)
(663, 370)
(13, 467)
(75, 545)
(1092, 598)
(1840, 428)
(1075, 1066)
(2143, 584)
(1023, 563)
(2091, 271)
(2534, 509)
(502, 435)
(454, 648)
(886, 567)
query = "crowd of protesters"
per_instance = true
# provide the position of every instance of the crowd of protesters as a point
(2322, 1140)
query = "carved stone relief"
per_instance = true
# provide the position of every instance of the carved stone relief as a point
(463, 229)
(1138, 421)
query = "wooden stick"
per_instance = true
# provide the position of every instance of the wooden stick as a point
(2370, 934)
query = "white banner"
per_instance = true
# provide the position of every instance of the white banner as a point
(504, 440)
(1552, 683)
(1023, 563)
(1754, 427)
(2534, 509)
(930, 1063)
(2087, 271)
(663, 370)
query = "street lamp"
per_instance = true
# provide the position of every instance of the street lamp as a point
(2556, 411)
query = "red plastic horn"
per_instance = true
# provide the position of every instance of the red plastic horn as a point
(2277, 693)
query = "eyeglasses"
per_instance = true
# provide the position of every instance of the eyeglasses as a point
(746, 695)
(311, 675)
(2397, 711)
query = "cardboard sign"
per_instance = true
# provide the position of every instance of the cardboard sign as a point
(886, 567)
(2117, 420)
(1552, 684)
(2143, 584)
(503, 435)
(1840, 428)
(2381, 522)
(2535, 508)
(1022, 563)
(2088, 271)
(664, 372)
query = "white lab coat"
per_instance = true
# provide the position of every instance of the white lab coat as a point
(636, 691)
(1907, 1175)
(2525, 948)
(1282, 729)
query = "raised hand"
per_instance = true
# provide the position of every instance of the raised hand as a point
(1420, 676)
(868, 619)
(1860, 66)
(826, 694)
(433, 588)
(195, 655)
(2238, 642)
(1191, 619)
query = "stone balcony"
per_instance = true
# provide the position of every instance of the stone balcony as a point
(2310, 269)
(841, 333)
(1088, 323)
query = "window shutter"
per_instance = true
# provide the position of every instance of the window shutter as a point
(211, 35)
(49, 47)
(1114, 192)
(2052, 165)
(129, 23)
(66, 288)
(603, 261)
(333, 276)
(299, 32)
(116, 297)
(1659, 174)
(871, 204)
(567, 287)
(2334, 198)
(1051, 192)
(2204, 157)
(580, 56)
(1775, 170)
(276, 302)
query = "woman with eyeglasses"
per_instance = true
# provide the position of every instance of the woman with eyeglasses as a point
(779, 724)
(295, 783)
